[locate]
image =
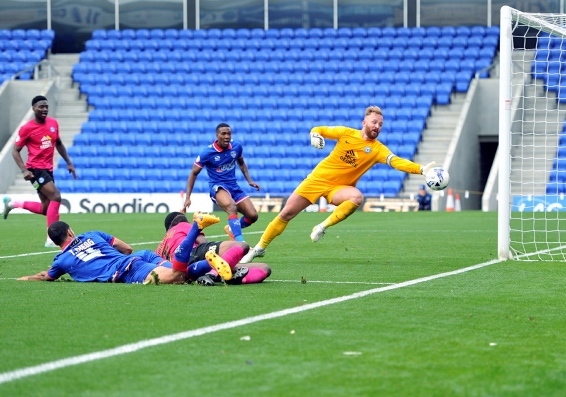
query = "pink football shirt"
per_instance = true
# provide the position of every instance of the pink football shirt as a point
(40, 140)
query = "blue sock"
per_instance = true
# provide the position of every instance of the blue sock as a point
(183, 252)
(236, 228)
(244, 222)
(198, 269)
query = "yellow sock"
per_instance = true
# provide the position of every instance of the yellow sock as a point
(340, 213)
(274, 229)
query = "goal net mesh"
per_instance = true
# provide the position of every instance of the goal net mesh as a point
(537, 177)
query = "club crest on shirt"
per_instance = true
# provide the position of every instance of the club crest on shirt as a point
(52, 129)
(233, 154)
(367, 149)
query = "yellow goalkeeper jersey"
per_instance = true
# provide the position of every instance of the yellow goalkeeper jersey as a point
(353, 156)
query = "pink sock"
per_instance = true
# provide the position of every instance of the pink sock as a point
(53, 212)
(31, 206)
(233, 255)
(254, 275)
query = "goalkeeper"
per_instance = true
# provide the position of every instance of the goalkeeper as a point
(335, 177)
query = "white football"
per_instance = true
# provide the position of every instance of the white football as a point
(437, 178)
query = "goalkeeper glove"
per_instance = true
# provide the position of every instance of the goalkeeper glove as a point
(426, 168)
(317, 140)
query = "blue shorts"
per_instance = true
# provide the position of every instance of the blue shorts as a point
(140, 267)
(233, 190)
(137, 272)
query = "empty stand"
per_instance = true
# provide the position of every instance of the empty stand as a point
(156, 89)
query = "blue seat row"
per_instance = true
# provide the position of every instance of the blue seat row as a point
(170, 96)
(127, 186)
(288, 33)
(252, 115)
(387, 188)
(263, 56)
(16, 45)
(14, 67)
(33, 56)
(194, 130)
(358, 44)
(131, 163)
(329, 73)
(30, 34)
(123, 174)
(130, 104)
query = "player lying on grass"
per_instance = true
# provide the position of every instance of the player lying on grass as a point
(336, 176)
(177, 227)
(99, 257)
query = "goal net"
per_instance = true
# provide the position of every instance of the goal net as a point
(532, 137)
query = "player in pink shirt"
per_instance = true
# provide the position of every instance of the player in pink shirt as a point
(41, 137)
(177, 228)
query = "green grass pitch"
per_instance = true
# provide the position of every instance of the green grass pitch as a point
(497, 330)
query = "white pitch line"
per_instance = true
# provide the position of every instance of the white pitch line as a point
(133, 347)
(133, 244)
(329, 282)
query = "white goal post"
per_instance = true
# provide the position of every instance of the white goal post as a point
(532, 144)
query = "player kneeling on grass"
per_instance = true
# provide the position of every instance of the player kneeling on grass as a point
(99, 257)
(177, 228)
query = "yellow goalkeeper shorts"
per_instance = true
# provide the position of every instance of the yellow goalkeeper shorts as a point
(313, 188)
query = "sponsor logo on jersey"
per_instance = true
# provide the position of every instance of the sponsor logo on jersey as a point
(226, 167)
(46, 142)
(350, 158)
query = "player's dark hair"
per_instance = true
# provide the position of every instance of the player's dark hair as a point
(38, 98)
(221, 125)
(57, 232)
(179, 219)
(169, 219)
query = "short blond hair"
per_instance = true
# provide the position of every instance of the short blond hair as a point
(373, 109)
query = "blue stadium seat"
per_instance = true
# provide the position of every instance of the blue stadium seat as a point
(443, 93)
(114, 186)
(66, 186)
(478, 31)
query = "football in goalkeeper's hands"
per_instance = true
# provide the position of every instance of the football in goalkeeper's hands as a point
(437, 178)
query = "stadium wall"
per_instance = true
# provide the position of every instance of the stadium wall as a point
(479, 118)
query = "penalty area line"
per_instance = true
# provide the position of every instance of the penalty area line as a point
(133, 347)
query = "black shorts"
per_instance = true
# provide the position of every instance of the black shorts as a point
(40, 178)
(197, 254)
